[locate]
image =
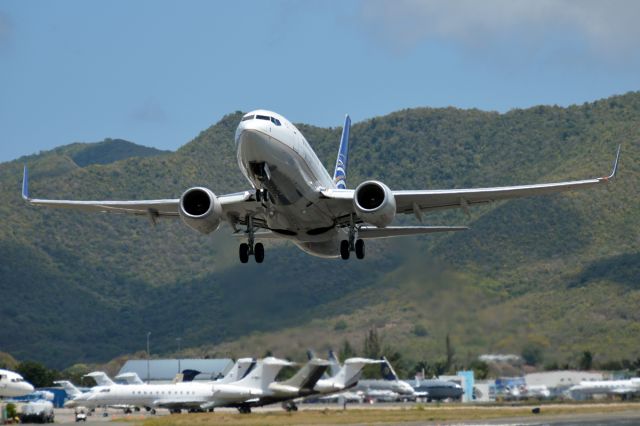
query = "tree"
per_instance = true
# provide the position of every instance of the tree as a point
(450, 353)
(586, 360)
(346, 351)
(372, 345)
(532, 353)
(37, 374)
(340, 325)
(480, 369)
(75, 373)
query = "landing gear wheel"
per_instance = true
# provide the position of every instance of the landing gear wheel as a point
(153, 411)
(244, 252)
(258, 252)
(360, 249)
(244, 410)
(344, 249)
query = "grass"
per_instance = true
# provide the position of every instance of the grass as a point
(383, 416)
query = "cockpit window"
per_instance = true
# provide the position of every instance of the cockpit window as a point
(275, 121)
(248, 117)
(263, 117)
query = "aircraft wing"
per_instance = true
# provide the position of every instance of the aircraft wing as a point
(231, 203)
(371, 232)
(421, 201)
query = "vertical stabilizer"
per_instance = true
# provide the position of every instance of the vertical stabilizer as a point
(264, 373)
(387, 370)
(340, 173)
(334, 363)
(238, 371)
(101, 378)
(69, 388)
(306, 378)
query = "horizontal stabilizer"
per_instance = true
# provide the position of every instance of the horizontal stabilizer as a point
(369, 232)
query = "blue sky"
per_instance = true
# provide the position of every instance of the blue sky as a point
(159, 72)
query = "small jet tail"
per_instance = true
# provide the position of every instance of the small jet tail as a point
(340, 173)
(306, 378)
(101, 378)
(387, 370)
(264, 373)
(188, 375)
(334, 363)
(69, 388)
(239, 370)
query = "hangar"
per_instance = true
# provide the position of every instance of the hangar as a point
(165, 370)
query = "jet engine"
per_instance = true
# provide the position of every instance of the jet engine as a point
(200, 209)
(374, 203)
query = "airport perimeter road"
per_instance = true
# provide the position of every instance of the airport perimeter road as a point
(621, 414)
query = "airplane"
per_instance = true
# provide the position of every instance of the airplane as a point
(389, 387)
(306, 382)
(438, 390)
(12, 384)
(622, 388)
(293, 197)
(174, 396)
(299, 385)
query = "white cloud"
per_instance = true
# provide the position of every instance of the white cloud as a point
(605, 27)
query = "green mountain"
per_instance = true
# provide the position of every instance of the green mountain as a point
(558, 271)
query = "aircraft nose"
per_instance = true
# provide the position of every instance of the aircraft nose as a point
(27, 387)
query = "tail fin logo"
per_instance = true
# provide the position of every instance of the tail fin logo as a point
(340, 173)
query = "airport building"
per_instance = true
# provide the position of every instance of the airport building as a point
(165, 370)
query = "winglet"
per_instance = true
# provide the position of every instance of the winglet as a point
(25, 184)
(615, 164)
(615, 168)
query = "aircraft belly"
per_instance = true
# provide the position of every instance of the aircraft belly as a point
(289, 182)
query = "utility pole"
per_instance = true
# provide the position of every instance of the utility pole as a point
(148, 356)
(179, 340)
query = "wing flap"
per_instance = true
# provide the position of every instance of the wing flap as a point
(370, 232)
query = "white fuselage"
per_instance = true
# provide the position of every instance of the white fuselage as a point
(144, 395)
(279, 159)
(619, 387)
(398, 386)
(12, 384)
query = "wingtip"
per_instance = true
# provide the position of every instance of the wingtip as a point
(615, 164)
(25, 184)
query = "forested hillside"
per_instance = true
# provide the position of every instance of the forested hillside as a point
(559, 271)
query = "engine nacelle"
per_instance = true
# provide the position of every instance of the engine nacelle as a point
(374, 203)
(200, 209)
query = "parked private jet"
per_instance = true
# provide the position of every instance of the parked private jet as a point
(12, 384)
(623, 388)
(292, 196)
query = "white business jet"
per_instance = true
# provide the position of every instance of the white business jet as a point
(12, 384)
(292, 196)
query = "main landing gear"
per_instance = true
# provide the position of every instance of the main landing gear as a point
(244, 409)
(251, 248)
(347, 246)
